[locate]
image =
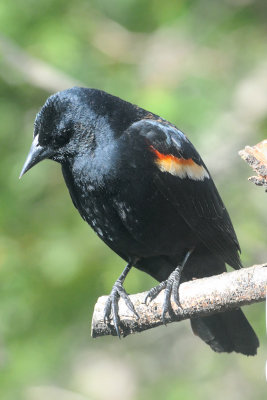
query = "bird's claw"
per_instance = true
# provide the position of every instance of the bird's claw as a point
(171, 286)
(152, 294)
(111, 305)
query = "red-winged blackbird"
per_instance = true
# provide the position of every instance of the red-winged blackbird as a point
(144, 189)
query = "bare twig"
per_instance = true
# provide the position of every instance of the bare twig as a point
(198, 298)
(256, 157)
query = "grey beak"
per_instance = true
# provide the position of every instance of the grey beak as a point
(36, 154)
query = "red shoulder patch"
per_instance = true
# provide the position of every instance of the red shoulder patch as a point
(178, 166)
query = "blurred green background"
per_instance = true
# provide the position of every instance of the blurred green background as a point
(203, 66)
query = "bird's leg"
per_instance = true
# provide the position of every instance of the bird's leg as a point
(171, 286)
(113, 299)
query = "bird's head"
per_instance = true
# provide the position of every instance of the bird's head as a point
(62, 127)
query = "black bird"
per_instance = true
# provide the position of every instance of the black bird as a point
(144, 189)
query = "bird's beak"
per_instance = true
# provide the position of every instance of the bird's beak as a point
(36, 154)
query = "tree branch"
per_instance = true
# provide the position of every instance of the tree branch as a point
(198, 298)
(38, 73)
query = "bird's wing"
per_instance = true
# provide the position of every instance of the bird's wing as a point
(181, 175)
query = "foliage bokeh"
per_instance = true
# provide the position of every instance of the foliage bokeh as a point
(201, 65)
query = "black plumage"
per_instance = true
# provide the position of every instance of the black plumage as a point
(141, 185)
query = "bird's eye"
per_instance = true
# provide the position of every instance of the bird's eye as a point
(63, 137)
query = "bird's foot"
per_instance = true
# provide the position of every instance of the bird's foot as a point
(171, 286)
(112, 305)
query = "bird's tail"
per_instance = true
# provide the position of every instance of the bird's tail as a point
(227, 332)
(223, 332)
